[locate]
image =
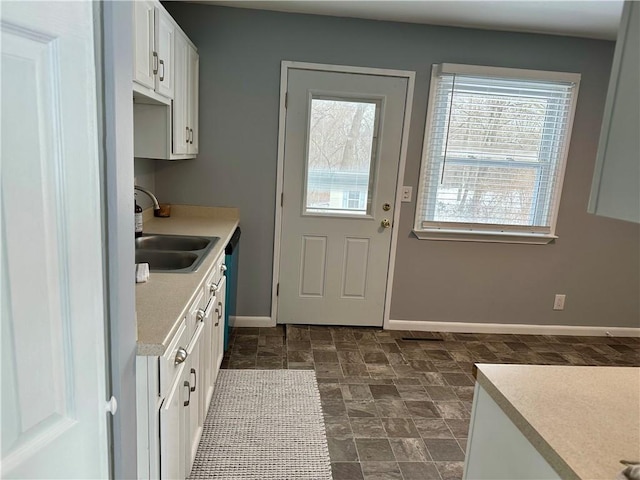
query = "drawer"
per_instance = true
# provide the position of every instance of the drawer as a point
(192, 315)
(214, 277)
(169, 369)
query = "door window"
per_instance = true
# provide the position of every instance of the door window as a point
(341, 153)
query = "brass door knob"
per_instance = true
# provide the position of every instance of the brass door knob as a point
(385, 223)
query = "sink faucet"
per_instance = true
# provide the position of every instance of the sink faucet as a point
(156, 205)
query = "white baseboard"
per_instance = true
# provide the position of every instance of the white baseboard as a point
(241, 322)
(517, 328)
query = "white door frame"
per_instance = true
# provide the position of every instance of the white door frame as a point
(284, 70)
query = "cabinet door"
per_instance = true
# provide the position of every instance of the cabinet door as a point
(143, 28)
(179, 109)
(195, 380)
(616, 184)
(206, 361)
(219, 323)
(172, 431)
(194, 70)
(165, 34)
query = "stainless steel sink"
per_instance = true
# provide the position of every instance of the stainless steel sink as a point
(173, 242)
(173, 253)
(166, 260)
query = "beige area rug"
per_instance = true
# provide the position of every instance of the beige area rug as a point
(264, 425)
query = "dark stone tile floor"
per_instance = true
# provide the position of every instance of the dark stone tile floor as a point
(400, 409)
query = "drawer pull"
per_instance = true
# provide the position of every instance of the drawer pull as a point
(218, 317)
(223, 268)
(213, 288)
(202, 314)
(186, 402)
(219, 311)
(181, 356)
(195, 379)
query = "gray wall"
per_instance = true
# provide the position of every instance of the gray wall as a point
(595, 261)
(144, 171)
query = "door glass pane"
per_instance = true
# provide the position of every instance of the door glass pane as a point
(342, 143)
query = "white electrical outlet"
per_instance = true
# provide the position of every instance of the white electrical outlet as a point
(406, 194)
(558, 302)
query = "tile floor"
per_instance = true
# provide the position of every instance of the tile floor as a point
(399, 409)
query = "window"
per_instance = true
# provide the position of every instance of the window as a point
(494, 153)
(342, 140)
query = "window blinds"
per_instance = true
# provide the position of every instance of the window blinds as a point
(494, 154)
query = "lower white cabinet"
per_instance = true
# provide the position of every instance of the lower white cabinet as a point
(173, 391)
(497, 449)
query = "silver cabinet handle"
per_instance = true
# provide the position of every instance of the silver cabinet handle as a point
(223, 268)
(191, 136)
(195, 379)
(186, 403)
(213, 288)
(162, 74)
(155, 63)
(181, 356)
(219, 311)
(187, 137)
(202, 314)
(218, 317)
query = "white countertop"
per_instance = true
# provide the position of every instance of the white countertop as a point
(582, 420)
(162, 302)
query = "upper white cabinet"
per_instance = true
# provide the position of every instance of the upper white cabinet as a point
(165, 87)
(154, 36)
(615, 191)
(185, 104)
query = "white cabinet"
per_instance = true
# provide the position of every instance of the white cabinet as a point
(185, 104)
(143, 60)
(497, 449)
(165, 111)
(615, 191)
(154, 34)
(172, 429)
(173, 391)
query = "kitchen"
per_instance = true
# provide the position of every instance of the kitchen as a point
(240, 54)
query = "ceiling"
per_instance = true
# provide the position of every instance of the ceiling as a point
(578, 18)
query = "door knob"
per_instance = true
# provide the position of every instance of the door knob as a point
(386, 207)
(385, 223)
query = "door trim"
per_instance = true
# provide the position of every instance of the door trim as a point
(284, 70)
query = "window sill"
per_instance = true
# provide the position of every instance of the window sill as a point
(485, 237)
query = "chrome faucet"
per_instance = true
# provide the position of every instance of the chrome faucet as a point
(156, 205)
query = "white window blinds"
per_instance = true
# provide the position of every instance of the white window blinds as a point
(495, 148)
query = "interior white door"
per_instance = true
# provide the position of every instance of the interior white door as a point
(53, 418)
(342, 151)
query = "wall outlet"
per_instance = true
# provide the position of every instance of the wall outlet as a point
(406, 194)
(558, 302)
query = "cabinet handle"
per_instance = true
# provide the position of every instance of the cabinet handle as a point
(155, 63)
(213, 288)
(223, 268)
(195, 379)
(181, 356)
(186, 384)
(162, 74)
(220, 311)
(191, 136)
(187, 137)
(218, 317)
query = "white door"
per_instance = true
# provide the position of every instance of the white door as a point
(180, 107)
(53, 418)
(342, 151)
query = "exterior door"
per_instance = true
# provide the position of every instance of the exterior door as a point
(53, 417)
(342, 151)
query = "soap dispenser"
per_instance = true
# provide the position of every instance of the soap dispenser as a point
(138, 217)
